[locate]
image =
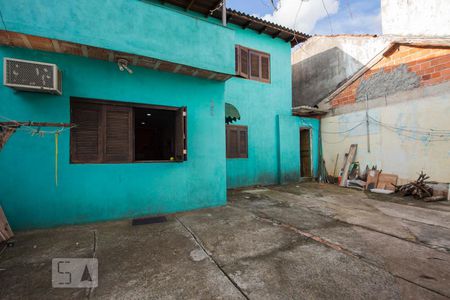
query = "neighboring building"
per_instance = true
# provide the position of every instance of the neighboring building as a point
(400, 79)
(323, 63)
(416, 17)
(153, 141)
(397, 111)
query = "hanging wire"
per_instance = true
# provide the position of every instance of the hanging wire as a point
(3, 21)
(338, 142)
(30, 129)
(297, 14)
(349, 9)
(328, 16)
(273, 4)
(345, 131)
(418, 134)
(414, 130)
(264, 3)
(215, 9)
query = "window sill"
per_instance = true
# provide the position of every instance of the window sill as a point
(125, 162)
(254, 80)
(155, 161)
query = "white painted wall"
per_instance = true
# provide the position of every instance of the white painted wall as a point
(416, 17)
(396, 151)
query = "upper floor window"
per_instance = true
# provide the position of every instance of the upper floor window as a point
(252, 64)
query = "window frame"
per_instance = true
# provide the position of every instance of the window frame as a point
(239, 51)
(101, 130)
(239, 129)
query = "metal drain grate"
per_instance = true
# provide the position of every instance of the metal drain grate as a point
(148, 220)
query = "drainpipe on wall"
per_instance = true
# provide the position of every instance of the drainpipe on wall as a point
(224, 12)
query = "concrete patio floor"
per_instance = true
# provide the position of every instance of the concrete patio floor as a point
(303, 241)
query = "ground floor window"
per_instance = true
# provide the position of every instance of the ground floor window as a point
(114, 132)
(237, 141)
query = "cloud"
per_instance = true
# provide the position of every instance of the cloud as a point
(360, 19)
(302, 15)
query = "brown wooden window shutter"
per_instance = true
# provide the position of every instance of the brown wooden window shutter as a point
(243, 55)
(255, 70)
(232, 142)
(118, 133)
(237, 141)
(107, 132)
(265, 68)
(252, 64)
(243, 142)
(237, 59)
(181, 135)
(86, 138)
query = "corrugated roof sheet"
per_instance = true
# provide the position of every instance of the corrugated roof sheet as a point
(213, 8)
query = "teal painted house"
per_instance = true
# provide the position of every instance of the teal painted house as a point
(139, 126)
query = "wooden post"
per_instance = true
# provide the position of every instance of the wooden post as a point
(348, 162)
(367, 123)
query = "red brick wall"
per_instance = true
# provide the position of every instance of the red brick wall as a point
(432, 64)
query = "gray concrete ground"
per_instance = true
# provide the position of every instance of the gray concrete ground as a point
(304, 241)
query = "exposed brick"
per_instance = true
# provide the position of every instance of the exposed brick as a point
(436, 75)
(439, 60)
(425, 65)
(431, 64)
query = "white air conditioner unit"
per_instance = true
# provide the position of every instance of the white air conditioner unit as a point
(32, 76)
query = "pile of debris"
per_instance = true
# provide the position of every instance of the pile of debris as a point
(374, 180)
(419, 189)
(371, 179)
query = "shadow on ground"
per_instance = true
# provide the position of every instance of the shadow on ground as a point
(283, 242)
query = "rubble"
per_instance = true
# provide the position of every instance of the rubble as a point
(418, 189)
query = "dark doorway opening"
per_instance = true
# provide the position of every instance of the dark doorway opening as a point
(154, 134)
(305, 152)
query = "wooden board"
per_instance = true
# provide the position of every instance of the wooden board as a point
(348, 162)
(372, 179)
(386, 181)
(5, 231)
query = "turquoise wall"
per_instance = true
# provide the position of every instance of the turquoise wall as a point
(133, 26)
(289, 149)
(260, 105)
(95, 192)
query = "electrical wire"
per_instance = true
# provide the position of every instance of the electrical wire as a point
(423, 137)
(297, 14)
(295, 24)
(273, 5)
(346, 131)
(418, 134)
(264, 3)
(338, 142)
(3, 21)
(414, 130)
(215, 9)
(349, 9)
(328, 16)
(6, 29)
